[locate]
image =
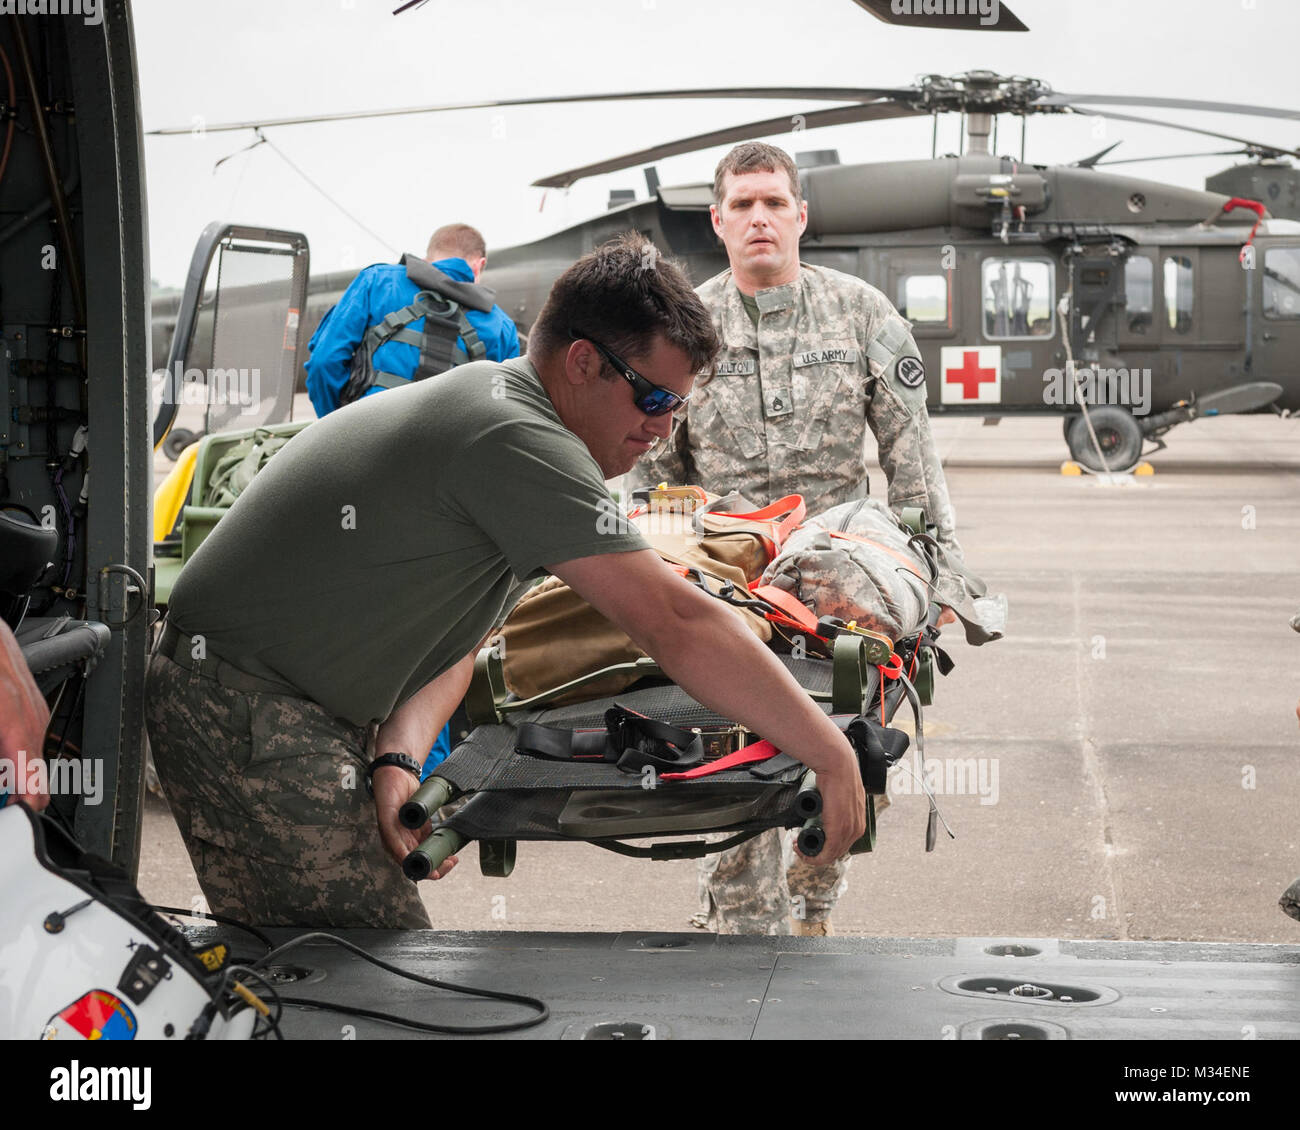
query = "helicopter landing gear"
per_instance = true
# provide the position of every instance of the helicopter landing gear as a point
(1118, 434)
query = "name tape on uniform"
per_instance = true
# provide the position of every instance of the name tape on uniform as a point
(821, 356)
(746, 368)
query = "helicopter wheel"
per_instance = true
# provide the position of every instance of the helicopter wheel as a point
(176, 441)
(1118, 433)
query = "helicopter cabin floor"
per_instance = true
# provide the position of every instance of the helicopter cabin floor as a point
(1122, 766)
(675, 986)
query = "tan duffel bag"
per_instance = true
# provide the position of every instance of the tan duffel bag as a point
(554, 636)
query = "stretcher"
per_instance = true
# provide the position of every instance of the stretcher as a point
(653, 763)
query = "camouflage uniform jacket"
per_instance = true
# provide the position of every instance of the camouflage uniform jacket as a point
(785, 408)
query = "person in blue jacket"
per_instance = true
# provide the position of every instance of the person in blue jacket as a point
(459, 253)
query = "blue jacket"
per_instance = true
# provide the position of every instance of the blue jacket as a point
(375, 293)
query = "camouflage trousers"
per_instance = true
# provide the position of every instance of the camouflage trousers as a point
(759, 886)
(269, 793)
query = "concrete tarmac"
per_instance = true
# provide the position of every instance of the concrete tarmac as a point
(1123, 765)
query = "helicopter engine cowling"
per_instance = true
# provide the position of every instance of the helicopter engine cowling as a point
(903, 195)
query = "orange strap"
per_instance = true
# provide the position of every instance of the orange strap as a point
(875, 544)
(781, 518)
(795, 610)
(891, 669)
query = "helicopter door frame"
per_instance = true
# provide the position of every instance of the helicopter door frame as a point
(1274, 338)
(199, 298)
(922, 265)
(1147, 337)
(1026, 359)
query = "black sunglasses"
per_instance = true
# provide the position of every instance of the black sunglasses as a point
(652, 399)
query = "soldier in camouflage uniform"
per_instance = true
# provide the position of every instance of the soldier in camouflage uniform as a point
(810, 358)
(334, 613)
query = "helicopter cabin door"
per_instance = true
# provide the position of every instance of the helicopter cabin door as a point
(1200, 296)
(1275, 312)
(1010, 349)
(1138, 331)
(920, 285)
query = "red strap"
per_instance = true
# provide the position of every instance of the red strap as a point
(892, 667)
(756, 751)
(795, 610)
(1251, 206)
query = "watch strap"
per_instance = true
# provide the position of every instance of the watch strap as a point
(400, 759)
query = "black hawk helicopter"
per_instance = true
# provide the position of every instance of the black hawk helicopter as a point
(1031, 288)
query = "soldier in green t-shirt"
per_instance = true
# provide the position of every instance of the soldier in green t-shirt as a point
(326, 629)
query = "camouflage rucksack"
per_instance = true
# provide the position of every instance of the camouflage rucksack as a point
(858, 561)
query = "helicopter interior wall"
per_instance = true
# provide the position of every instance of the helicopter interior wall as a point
(92, 371)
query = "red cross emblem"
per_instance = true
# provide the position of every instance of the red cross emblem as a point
(971, 376)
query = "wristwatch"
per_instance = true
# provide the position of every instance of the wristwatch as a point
(402, 759)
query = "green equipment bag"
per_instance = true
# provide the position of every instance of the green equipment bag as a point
(235, 470)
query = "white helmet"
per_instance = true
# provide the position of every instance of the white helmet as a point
(82, 956)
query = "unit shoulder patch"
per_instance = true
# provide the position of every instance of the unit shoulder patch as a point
(911, 372)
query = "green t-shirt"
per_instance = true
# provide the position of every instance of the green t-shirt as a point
(386, 540)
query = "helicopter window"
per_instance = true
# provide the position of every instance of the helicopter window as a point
(1282, 282)
(923, 298)
(1139, 293)
(1019, 297)
(1178, 293)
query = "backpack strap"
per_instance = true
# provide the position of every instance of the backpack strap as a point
(441, 302)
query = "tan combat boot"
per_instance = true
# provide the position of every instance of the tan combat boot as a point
(802, 928)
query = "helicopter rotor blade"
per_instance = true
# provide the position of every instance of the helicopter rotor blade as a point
(1175, 125)
(1178, 156)
(1091, 161)
(813, 93)
(1057, 99)
(839, 115)
(1001, 17)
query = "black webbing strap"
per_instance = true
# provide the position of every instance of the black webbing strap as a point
(878, 748)
(438, 349)
(677, 849)
(441, 302)
(630, 740)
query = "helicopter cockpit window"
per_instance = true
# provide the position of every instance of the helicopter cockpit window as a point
(1019, 297)
(923, 298)
(1178, 293)
(1139, 277)
(1282, 282)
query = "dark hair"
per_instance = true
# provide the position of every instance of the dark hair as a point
(622, 294)
(463, 241)
(755, 157)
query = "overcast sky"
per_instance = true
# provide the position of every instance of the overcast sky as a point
(202, 61)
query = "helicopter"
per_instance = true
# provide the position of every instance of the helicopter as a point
(77, 346)
(1031, 289)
